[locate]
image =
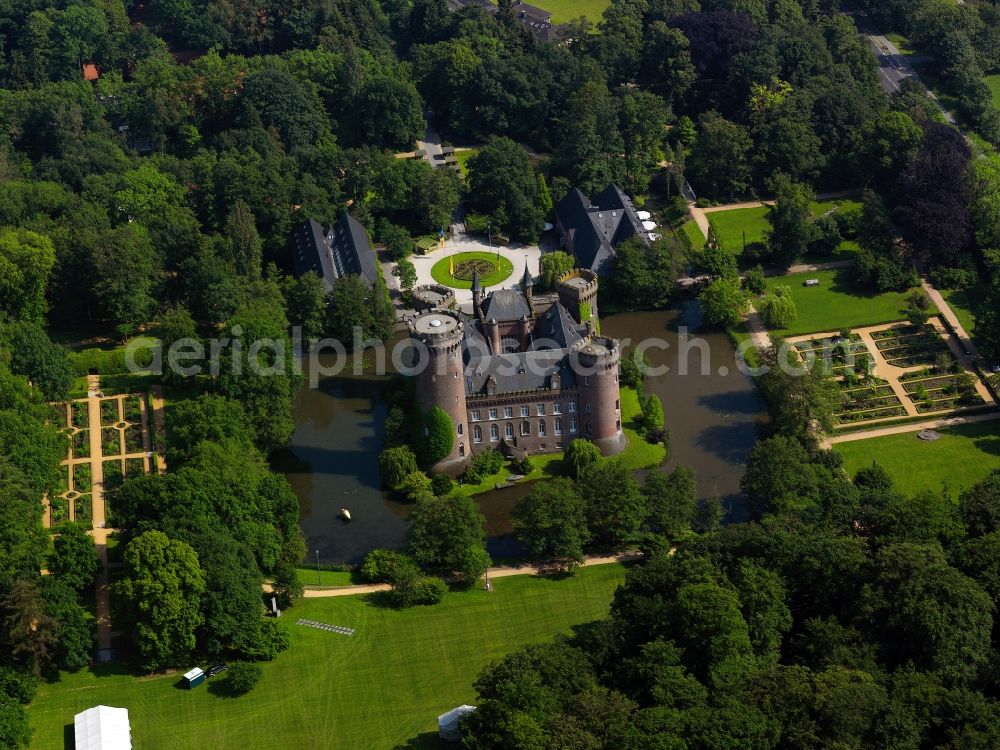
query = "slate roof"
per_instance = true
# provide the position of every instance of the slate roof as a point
(518, 371)
(505, 305)
(342, 250)
(592, 230)
(556, 328)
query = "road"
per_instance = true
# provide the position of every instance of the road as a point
(431, 146)
(895, 68)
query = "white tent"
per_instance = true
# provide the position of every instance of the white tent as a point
(448, 723)
(103, 728)
(649, 226)
(644, 215)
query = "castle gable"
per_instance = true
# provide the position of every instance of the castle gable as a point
(517, 372)
(505, 305)
(557, 329)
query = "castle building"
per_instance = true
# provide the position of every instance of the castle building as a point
(524, 374)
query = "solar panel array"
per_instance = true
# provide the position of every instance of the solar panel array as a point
(329, 628)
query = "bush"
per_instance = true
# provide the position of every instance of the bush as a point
(953, 278)
(632, 369)
(415, 485)
(439, 435)
(243, 676)
(580, 456)
(417, 590)
(522, 466)
(476, 223)
(107, 362)
(396, 239)
(396, 464)
(385, 565)
(753, 281)
(488, 462)
(441, 484)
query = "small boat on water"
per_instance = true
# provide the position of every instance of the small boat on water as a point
(345, 514)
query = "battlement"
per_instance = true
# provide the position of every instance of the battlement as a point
(598, 350)
(579, 281)
(438, 329)
(429, 297)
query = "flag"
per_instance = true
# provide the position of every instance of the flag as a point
(451, 265)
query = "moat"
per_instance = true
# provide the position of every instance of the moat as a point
(332, 460)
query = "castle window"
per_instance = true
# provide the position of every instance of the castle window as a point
(618, 424)
(618, 404)
(572, 407)
(541, 428)
(586, 381)
(558, 427)
(461, 430)
(476, 416)
(541, 410)
(508, 431)
(493, 413)
(572, 424)
(525, 411)
(461, 449)
(590, 428)
(508, 412)
(477, 434)
(588, 408)
(494, 433)
(525, 428)
(557, 408)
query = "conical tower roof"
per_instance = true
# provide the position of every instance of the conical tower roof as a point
(476, 286)
(526, 279)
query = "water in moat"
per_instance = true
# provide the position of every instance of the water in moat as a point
(332, 460)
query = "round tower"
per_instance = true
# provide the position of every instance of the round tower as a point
(441, 380)
(577, 291)
(596, 364)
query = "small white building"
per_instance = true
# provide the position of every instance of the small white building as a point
(448, 723)
(103, 728)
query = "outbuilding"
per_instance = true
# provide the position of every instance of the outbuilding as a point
(448, 728)
(194, 677)
(102, 728)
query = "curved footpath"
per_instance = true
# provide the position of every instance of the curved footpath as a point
(498, 572)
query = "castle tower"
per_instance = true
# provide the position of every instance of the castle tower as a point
(577, 291)
(477, 296)
(596, 364)
(526, 285)
(441, 382)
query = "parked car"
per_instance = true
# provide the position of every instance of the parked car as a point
(217, 669)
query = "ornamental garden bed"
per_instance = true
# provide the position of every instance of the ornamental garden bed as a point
(864, 416)
(132, 409)
(113, 474)
(134, 467)
(82, 478)
(109, 411)
(954, 402)
(133, 439)
(456, 271)
(80, 414)
(58, 511)
(83, 509)
(81, 444)
(111, 441)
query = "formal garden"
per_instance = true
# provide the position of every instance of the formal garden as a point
(895, 371)
(123, 428)
(457, 270)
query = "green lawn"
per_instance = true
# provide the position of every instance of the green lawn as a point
(993, 82)
(730, 226)
(901, 42)
(694, 234)
(836, 303)
(960, 302)
(377, 689)
(441, 271)
(564, 11)
(639, 454)
(963, 456)
(463, 159)
(311, 577)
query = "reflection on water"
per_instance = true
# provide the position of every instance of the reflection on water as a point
(332, 459)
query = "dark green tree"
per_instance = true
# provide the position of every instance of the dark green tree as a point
(551, 522)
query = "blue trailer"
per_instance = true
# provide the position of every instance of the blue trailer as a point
(194, 677)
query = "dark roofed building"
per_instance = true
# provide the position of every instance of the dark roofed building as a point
(591, 231)
(333, 252)
(522, 375)
(535, 20)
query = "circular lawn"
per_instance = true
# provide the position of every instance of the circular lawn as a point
(465, 264)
